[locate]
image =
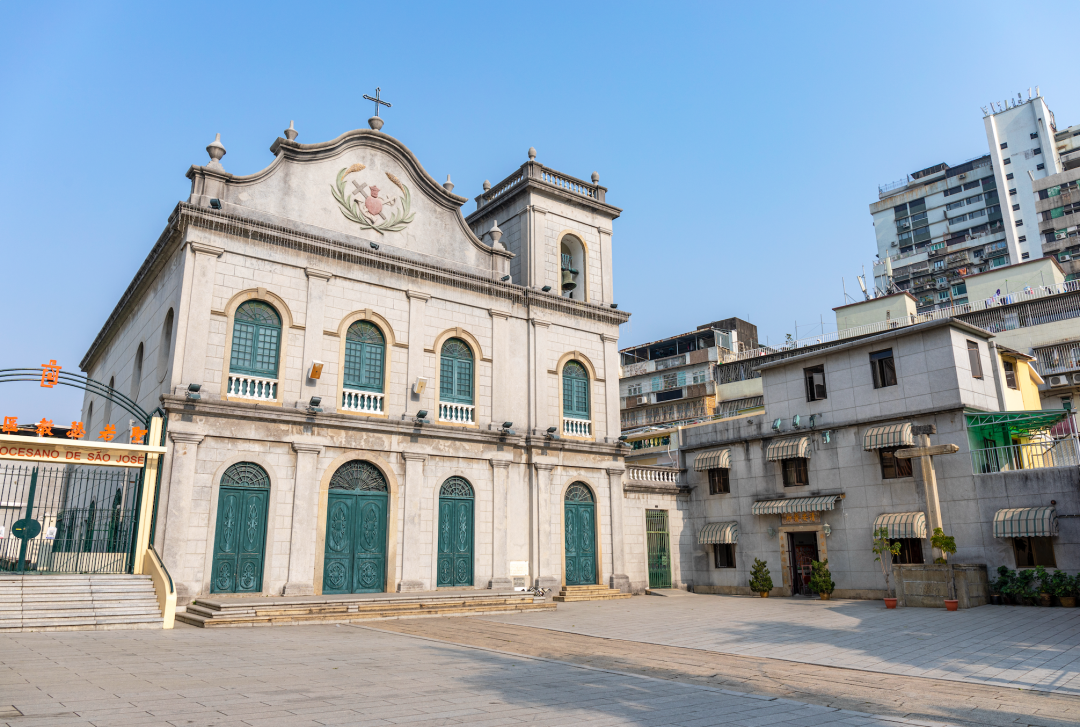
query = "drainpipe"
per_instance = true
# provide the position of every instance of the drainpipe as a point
(995, 362)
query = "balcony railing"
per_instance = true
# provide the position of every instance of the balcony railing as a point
(457, 413)
(666, 475)
(1059, 359)
(576, 427)
(1034, 455)
(365, 402)
(255, 388)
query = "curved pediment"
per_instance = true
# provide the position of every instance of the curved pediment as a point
(363, 183)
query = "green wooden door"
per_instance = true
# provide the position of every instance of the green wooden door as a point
(455, 562)
(355, 551)
(659, 548)
(580, 530)
(239, 541)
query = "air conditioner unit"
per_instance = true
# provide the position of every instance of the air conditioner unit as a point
(1059, 381)
(1076, 378)
(639, 400)
(963, 176)
(1065, 258)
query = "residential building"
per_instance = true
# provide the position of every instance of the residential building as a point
(673, 379)
(1057, 206)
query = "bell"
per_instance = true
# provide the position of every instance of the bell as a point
(568, 280)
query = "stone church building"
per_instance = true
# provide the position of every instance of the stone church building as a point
(366, 390)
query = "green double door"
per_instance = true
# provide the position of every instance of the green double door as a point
(240, 540)
(580, 530)
(455, 564)
(659, 548)
(355, 553)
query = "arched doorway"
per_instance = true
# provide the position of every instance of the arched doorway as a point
(580, 529)
(240, 536)
(455, 565)
(355, 549)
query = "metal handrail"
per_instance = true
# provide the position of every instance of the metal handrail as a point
(168, 575)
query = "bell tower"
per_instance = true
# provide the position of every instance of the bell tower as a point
(557, 226)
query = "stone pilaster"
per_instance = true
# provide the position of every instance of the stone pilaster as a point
(197, 325)
(619, 579)
(502, 402)
(538, 394)
(181, 486)
(500, 524)
(606, 275)
(412, 551)
(549, 571)
(313, 329)
(305, 507)
(612, 423)
(415, 369)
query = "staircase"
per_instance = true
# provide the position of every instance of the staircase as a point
(588, 593)
(224, 611)
(77, 603)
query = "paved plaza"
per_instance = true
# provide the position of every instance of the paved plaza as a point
(1028, 647)
(489, 671)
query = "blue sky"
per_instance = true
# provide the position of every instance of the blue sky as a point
(743, 141)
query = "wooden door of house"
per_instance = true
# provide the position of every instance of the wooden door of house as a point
(579, 513)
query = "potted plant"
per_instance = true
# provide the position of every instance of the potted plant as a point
(1045, 588)
(1025, 590)
(944, 544)
(1002, 586)
(885, 550)
(760, 580)
(821, 581)
(1069, 601)
(1061, 585)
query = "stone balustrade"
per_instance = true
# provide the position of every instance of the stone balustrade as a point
(576, 427)
(255, 388)
(364, 402)
(450, 413)
(666, 475)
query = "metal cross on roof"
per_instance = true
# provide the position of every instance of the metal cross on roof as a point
(378, 101)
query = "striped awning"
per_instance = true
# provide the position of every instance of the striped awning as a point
(889, 435)
(714, 533)
(795, 504)
(788, 449)
(902, 524)
(1022, 522)
(713, 459)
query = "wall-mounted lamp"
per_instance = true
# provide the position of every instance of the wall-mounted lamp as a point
(827, 529)
(772, 532)
(795, 422)
(506, 428)
(551, 433)
(192, 392)
(215, 204)
(504, 278)
(776, 425)
(374, 245)
(546, 289)
(614, 305)
(314, 405)
(813, 420)
(421, 417)
(826, 436)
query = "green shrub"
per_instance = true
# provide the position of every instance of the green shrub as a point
(760, 580)
(1005, 583)
(1025, 586)
(820, 578)
(1042, 578)
(945, 544)
(1061, 584)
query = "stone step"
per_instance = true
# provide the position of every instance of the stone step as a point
(345, 607)
(606, 597)
(198, 619)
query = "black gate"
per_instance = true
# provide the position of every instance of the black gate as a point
(67, 518)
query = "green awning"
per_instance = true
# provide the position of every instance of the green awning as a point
(1019, 423)
(714, 533)
(1023, 522)
(794, 504)
(713, 459)
(888, 435)
(788, 449)
(902, 524)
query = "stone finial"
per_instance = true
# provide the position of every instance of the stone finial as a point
(375, 123)
(596, 177)
(487, 185)
(216, 151)
(532, 153)
(496, 235)
(291, 132)
(448, 185)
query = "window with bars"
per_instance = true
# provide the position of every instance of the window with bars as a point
(575, 390)
(256, 339)
(365, 352)
(456, 372)
(892, 467)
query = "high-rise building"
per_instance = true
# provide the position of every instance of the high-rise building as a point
(940, 224)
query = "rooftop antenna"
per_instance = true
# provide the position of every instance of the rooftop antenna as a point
(862, 284)
(1036, 92)
(1029, 93)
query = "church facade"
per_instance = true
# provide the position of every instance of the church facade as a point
(367, 391)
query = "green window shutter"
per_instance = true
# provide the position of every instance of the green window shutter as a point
(1054, 191)
(446, 378)
(1057, 212)
(682, 378)
(256, 339)
(266, 350)
(568, 396)
(463, 376)
(373, 366)
(581, 397)
(656, 383)
(243, 344)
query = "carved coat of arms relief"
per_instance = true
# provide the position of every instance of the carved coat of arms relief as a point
(382, 209)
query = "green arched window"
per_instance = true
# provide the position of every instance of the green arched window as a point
(256, 340)
(575, 382)
(456, 372)
(365, 353)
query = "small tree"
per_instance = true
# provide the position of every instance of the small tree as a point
(760, 580)
(944, 544)
(820, 578)
(885, 550)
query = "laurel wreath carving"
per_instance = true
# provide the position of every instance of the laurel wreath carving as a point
(353, 212)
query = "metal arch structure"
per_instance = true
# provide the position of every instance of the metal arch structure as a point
(80, 381)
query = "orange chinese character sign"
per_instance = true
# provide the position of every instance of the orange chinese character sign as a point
(137, 435)
(50, 374)
(44, 428)
(10, 426)
(76, 431)
(108, 433)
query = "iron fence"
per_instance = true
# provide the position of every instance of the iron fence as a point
(1033, 455)
(67, 519)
